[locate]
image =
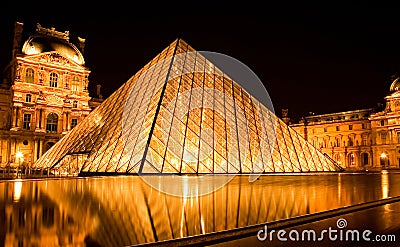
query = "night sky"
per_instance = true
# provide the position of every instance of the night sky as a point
(311, 59)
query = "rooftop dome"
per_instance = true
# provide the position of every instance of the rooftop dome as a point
(47, 40)
(395, 86)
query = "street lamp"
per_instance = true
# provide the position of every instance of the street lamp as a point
(20, 157)
(383, 158)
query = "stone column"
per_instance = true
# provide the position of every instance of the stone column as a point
(13, 149)
(64, 122)
(8, 150)
(13, 116)
(40, 148)
(35, 150)
(37, 118)
(43, 122)
(68, 122)
(17, 111)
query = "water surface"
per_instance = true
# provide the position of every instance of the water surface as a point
(125, 210)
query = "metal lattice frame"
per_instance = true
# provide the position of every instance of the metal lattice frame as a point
(180, 114)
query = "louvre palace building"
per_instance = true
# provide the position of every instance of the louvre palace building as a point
(360, 139)
(43, 94)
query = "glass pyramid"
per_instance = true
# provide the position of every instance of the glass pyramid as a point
(180, 114)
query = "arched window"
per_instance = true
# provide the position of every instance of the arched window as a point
(338, 158)
(384, 159)
(53, 79)
(351, 141)
(337, 142)
(351, 159)
(75, 83)
(29, 75)
(52, 120)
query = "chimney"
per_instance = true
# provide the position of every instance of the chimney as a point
(285, 116)
(81, 44)
(98, 88)
(17, 39)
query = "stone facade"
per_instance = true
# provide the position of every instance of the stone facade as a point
(359, 139)
(43, 95)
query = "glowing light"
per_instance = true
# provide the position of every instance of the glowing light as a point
(17, 191)
(383, 155)
(385, 184)
(203, 228)
(188, 157)
(32, 50)
(185, 186)
(19, 155)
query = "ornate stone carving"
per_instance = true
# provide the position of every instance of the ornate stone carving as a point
(41, 76)
(55, 58)
(52, 32)
(18, 72)
(66, 100)
(54, 100)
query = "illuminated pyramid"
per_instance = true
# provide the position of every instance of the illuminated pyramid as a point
(180, 114)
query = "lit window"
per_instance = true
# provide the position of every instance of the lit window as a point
(75, 83)
(27, 122)
(28, 98)
(74, 122)
(383, 137)
(53, 79)
(351, 159)
(52, 121)
(29, 75)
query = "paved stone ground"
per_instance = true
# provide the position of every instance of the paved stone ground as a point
(382, 220)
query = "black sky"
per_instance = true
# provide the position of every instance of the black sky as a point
(321, 59)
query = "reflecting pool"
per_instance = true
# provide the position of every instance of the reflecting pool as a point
(125, 210)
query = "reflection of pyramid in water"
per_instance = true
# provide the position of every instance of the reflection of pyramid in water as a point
(181, 114)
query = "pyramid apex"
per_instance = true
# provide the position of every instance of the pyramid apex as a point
(184, 121)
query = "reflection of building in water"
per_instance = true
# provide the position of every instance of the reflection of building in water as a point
(121, 211)
(181, 114)
(28, 217)
(367, 138)
(43, 95)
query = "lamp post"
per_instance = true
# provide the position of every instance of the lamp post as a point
(20, 157)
